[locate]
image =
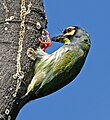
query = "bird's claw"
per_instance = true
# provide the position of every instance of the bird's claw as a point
(45, 42)
(31, 54)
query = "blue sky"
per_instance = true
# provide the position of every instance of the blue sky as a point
(88, 97)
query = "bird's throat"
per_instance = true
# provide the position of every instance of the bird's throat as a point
(66, 41)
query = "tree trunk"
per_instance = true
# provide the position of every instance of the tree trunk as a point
(21, 23)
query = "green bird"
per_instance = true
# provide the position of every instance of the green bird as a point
(54, 71)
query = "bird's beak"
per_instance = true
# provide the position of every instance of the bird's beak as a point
(59, 38)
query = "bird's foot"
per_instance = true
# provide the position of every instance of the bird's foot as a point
(45, 42)
(31, 54)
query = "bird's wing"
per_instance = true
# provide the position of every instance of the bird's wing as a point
(63, 63)
(37, 79)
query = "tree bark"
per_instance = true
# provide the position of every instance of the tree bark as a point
(21, 24)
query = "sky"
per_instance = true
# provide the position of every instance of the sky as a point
(88, 96)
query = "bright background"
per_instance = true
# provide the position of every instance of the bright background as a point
(88, 97)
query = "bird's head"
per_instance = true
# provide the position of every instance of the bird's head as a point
(74, 35)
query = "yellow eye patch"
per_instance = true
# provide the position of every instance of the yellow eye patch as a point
(71, 33)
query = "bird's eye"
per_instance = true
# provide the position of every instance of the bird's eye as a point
(69, 30)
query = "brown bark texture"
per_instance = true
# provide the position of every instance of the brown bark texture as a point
(21, 24)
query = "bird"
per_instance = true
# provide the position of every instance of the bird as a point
(56, 70)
